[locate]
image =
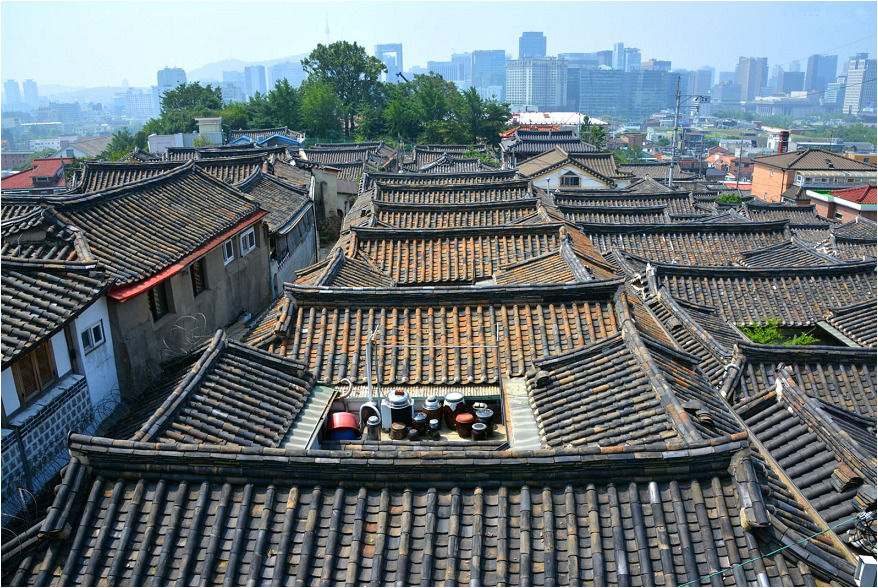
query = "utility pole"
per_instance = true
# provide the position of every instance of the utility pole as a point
(679, 99)
(674, 142)
(738, 163)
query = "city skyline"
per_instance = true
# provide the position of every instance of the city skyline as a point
(196, 38)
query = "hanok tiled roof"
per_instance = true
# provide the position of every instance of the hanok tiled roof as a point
(260, 134)
(441, 194)
(813, 234)
(859, 195)
(617, 214)
(226, 393)
(534, 142)
(352, 170)
(787, 254)
(135, 230)
(292, 175)
(282, 201)
(677, 203)
(794, 295)
(453, 165)
(855, 239)
(599, 165)
(625, 390)
(655, 171)
(448, 256)
(858, 322)
(686, 243)
(97, 176)
(332, 155)
(417, 179)
(341, 271)
(812, 160)
(698, 330)
(649, 185)
(828, 453)
(429, 216)
(418, 329)
(576, 260)
(796, 214)
(843, 377)
(187, 153)
(427, 154)
(38, 233)
(41, 296)
(135, 513)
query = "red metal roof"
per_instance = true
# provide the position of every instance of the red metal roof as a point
(39, 168)
(860, 194)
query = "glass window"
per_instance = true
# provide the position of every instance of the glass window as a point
(228, 252)
(93, 336)
(570, 179)
(199, 277)
(158, 301)
(248, 241)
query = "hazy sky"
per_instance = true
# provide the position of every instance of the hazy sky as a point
(102, 43)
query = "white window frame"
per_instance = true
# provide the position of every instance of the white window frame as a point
(89, 334)
(248, 237)
(228, 254)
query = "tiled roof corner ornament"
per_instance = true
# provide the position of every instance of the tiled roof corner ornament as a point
(543, 378)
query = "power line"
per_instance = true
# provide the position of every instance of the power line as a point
(776, 551)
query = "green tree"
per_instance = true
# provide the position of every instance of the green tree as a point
(322, 110)
(594, 135)
(351, 73)
(120, 145)
(193, 98)
(259, 111)
(236, 116)
(201, 141)
(283, 105)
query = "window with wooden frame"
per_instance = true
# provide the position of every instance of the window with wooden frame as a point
(199, 277)
(35, 372)
(158, 301)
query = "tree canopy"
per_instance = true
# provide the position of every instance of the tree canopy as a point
(349, 70)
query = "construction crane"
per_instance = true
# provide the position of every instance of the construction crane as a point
(400, 75)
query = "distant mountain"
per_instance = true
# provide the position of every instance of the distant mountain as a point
(213, 72)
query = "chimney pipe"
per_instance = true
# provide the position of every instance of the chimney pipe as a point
(783, 144)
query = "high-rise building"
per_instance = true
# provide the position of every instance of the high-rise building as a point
(619, 56)
(686, 82)
(752, 76)
(820, 72)
(656, 65)
(835, 92)
(632, 59)
(13, 95)
(845, 65)
(537, 82)
(790, 81)
(169, 78)
(725, 93)
(703, 81)
(861, 86)
(531, 44)
(31, 94)
(291, 71)
(254, 80)
(447, 69)
(138, 104)
(647, 92)
(601, 92)
(795, 65)
(773, 78)
(727, 77)
(489, 74)
(464, 62)
(231, 93)
(390, 54)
